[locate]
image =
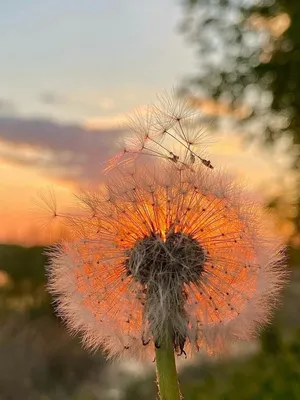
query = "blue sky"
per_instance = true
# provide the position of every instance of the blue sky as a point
(79, 59)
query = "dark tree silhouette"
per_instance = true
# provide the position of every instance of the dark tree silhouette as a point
(249, 65)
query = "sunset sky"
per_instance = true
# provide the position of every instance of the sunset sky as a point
(70, 72)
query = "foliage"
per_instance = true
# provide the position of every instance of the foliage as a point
(272, 374)
(38, 358)
(249, 60)
(24, 271)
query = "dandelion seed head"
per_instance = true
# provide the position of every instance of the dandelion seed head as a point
(167, 130)
(166, 248)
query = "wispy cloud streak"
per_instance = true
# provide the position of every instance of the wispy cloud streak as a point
(70, 151)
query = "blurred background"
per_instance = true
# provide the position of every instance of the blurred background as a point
(70, 73)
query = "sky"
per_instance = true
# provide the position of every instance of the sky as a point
(76, 60)
(70, 72)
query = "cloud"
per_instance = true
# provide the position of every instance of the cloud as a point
(115, 120)
(66, 151)
(105, 122)
(77, 100)
(6, 106)
(51, 98)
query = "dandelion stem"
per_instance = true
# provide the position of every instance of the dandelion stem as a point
(166, 370)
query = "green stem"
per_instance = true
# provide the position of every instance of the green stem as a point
(166, 371)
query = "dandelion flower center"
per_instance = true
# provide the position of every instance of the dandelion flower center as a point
(164, 266)
(178, 258)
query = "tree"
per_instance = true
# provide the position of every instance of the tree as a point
(249, 53)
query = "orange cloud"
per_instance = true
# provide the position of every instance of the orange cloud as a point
(115, 121)
(219, 108)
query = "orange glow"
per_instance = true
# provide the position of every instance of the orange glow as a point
(19, 214)
(276, 25)
(19, 187)
(221, 108)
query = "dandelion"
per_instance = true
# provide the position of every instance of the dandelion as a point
(170, 257)
(168, 131)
